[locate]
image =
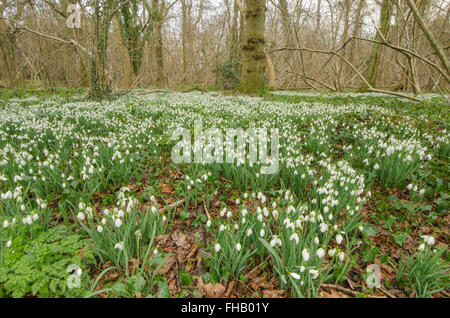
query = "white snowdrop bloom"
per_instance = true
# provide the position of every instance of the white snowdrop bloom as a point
(323, 227)
(208, 223)
(80, 216)
(106, 212)
(290, 209)
(244, 212)
(223, 211)
(341, 256)
(305, 255)
(294, 237)
(263, 199)
(236, 227)
(326, 209)
(8, 244)
(155, 251)
(118, 223)
(217, 247)
(314, 273)
(35, 217)
(79, 271)
(320, 252)
(119, 246)
(295, 276)
(316, 240)
(249, 232)
(99, 229)
(331, 252)
(275, 213)
(265, 212)
(238, 246)
(421, 191)
(275, 241)
(29, 220)
(415, 188)
(103, 221)
(302, 269)
(238, 201)
(339, 238)
(5, 224)
(376, 167)
(422, 247)
(361, 228)
(153, 209)
(428, 239)
(409, 187)
(222, 228)
(120, 214)
(229, 214)
(259, 217)
(245, 195)
(262, 233)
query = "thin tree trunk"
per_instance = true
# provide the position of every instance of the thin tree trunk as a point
(429, 35)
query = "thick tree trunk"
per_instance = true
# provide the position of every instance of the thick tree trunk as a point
(159, 8)
(375, 55)
(99, 84)
(253, 56)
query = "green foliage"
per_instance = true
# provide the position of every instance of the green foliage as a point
(424, 272)
(39, 267)
(228, 74)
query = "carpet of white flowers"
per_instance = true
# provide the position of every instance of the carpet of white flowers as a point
(92, 204)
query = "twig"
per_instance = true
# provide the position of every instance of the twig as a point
(344, 290)
(173, 205)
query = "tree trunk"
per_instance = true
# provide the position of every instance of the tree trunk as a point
(375, 55)
(158, 9)
(253, 56)
(429, 35)
(99, 84)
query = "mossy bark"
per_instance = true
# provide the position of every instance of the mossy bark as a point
(253, 57)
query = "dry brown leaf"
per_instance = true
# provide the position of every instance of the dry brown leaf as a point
(209, 290)
(166, 188)
(180, 239)
(168, 264)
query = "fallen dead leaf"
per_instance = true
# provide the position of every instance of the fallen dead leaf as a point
(209, 290)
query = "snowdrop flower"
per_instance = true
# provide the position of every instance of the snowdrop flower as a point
(5, 224)
(331, 252)
(8, 244)
(217, 247)
(305, 255)
(118, 222)
(222, 228)
(262, 233)
(341, 256)
(238, 201)
(80, 216)
(99, 229)
(376, 167)
(249, 232)
(314, 272)
(294, 237)
(323, 227)
(223, 211)
(155, 251)
(421, 247)
(275, 241)
(208, 223)
(409, 187)
(320, 252)
(238, 246)
(421, 191)
(119, 246)
(428, 239)
(295, 276)
(339, 238)
(35, 217)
